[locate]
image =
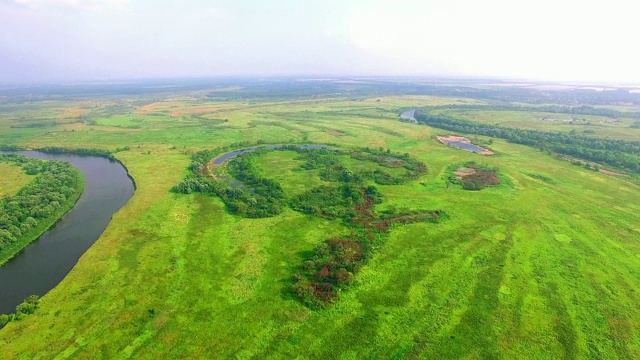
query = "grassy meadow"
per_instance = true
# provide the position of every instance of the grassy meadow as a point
(13, 179)
(545, 266)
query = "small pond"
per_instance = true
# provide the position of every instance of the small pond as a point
(466, 146)
(224, 157)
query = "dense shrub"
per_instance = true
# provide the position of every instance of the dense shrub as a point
(27, 307)
(480, 177)
(6, 147)
(334, 263)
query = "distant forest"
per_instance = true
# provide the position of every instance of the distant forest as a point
(286, 88)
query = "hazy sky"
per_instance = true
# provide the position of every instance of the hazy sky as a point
(58, 40)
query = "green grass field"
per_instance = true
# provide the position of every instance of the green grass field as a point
(544, 267)
(13, 179)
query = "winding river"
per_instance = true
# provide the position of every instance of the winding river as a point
(409, 115)
(44, 263)
(224, 157)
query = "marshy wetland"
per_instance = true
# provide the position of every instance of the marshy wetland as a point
(376, 248)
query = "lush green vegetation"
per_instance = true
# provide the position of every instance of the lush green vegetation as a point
(545, 267)
(617, 153)
(5, 147)
(337, 260)
(595, 126)
(26, 308)
(27, 214)
(13, 178)
(80, 151)
(473, 176)
(258, 197)
(255, 196)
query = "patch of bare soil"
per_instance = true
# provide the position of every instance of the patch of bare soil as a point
(297, 132)
(209, 170)
(591, 164)
(464, 171)
(611, 173)
(452, 138)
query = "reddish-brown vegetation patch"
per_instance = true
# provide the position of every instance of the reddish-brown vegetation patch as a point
(475, 177)
(481, 178)
(170, 107)
(607, 172)
(337, 260)
(335, 133)
(451, 138)
(74, 112)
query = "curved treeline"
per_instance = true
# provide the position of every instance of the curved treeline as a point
(555, 109)
(80, 151)
(259, 197)
(26, 215)
(334, 170)
(266, 197)
(616, 153)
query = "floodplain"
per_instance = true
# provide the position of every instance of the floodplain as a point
(542, 265)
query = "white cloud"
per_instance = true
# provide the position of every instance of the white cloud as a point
(329, 33)
(544, 39)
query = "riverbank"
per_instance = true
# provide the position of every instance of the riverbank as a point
(40, 266)
(43, 224)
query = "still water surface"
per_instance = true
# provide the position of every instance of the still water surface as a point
(44, 263)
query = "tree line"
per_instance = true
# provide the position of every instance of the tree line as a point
(79, 151)
(616, 153)
(555, 109)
